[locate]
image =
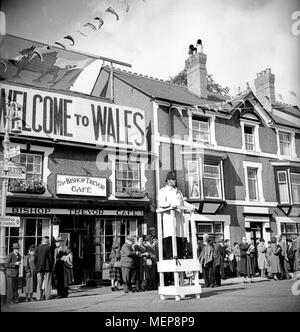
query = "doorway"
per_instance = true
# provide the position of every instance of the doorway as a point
(256, 233)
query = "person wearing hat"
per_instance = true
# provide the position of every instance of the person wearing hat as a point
(60, 270)
(43, 261)
(151, 269)
(12, 265)
(171, 197)
(127, 262)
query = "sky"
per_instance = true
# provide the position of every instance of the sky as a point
(240, 37)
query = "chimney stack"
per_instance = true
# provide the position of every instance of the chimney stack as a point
(265, 86)
(196, 71)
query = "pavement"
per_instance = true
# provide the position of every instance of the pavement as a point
(233, 295)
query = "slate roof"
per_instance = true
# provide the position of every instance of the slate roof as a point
(161, 89)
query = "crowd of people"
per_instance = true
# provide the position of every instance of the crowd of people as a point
(44, 269)
(276, 259)
(133, 266)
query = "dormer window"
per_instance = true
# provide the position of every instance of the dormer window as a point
(201, 130)
(249, 138)
(250, 133)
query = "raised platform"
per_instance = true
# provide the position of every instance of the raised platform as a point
(182, 265)
(179, 292)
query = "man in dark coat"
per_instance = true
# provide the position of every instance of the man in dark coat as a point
(60, 271)
(127, 263)
(12, 273)
(43, 260)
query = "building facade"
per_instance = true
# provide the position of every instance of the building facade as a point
(94, 165)
(87, 177)
(237, 159)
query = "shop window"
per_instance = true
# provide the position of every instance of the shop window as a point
(290, 230)
(283, 187)
(285, 140)
(201, 130)
(114, 229)
(34, 174)
(30, 232)
(215, 229)
(295, 182)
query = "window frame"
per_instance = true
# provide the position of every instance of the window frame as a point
(139, 180)
(201, 179)
(291, 188)
(287, 186)
(255, 126)
(201, 119)
(260, 192)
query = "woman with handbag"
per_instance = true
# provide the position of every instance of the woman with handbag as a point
(115, 267)
(30, 274)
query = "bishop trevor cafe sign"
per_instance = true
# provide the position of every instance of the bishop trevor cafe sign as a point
(77, 119)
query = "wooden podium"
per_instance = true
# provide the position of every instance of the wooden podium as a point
(179, 266)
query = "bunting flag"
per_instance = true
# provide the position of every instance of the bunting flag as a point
(279, 96)
(40, 65)
(112, 11)
(293, 93)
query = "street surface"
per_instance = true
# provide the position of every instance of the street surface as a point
(233, 295)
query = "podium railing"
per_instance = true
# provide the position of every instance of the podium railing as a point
(175, 265)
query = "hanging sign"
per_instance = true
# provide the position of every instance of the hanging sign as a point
(83, 119)
(80, 185)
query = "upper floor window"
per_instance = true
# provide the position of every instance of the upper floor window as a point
(212, 181)
(250, 135)
(249, 138)
(283, 187)
(128, 176)
(253, 181)
(34, 174)
(295, 182)
(252, 184)
(204, 183)
(285, 144)
(201, 130)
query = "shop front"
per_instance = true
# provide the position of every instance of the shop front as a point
(89, 232)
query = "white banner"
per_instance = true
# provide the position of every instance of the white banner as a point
(76, 119)
(80, 185)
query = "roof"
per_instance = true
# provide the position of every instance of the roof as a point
(161, 89)
(288, 109)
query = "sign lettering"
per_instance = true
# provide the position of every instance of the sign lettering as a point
(56, 116)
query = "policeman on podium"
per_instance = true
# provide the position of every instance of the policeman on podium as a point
(171, 196)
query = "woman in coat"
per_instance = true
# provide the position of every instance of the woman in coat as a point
(273, 258)
(115, 271)
(262, 258)
(30, 274)
(245, 269)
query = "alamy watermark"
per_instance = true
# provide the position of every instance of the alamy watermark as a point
(296, 25)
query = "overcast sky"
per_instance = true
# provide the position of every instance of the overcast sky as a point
(240, 37)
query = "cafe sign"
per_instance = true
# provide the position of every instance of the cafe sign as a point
(80, 185)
